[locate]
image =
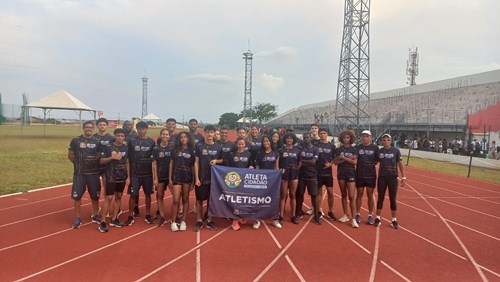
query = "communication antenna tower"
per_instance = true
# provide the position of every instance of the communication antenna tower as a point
(144, 97)
(247, 103)
(412, 66)
(353, 89)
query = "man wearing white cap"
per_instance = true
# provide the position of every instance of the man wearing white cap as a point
(366, 175)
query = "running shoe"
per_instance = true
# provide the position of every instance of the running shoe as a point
(358, 218)
(377, 222)
(174, 227)
(236, 225)
(300, 214)
(280, 220)
(148, 219)
(370, 220)
(317, 220)
(102, 227)
(256, 224)
(162, 222)
(136, 212)
(310, 211)
(211, 225)
(130, 221)
(295, 220)
(394, 224)
(331, 216)
(198, 226)
(183, 226)
(277, 224)
(344, 218)
(77, 223)
(157, 215)
(96, 219)
(116, 223)
(354, 223)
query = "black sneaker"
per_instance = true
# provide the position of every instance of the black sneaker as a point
(211, 225)
(102, 227)
(130, 221)
(331, 216)
(162, 222)
(317, 220)
(148, 219)
(136, 212)
(157, 215)
(394, 224)
(300, 214)
(116, 223)
(377, 222)
(280, 219)
(198, 226)
(295, 220)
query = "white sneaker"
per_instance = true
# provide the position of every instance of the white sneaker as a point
(183, 226)
(277, 224)
(174, 227)
(354, 224)
(310, 211)
(344, 218)
(256, 224)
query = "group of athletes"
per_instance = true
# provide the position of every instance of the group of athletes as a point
(181, 162)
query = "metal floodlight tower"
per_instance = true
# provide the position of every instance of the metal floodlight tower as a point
(247, 102)
(412, 66)
(353, 89)
(144, 97)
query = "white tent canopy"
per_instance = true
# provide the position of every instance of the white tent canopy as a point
(60, 100)
(151, 116)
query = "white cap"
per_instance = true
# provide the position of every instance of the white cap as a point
(387, 135)
(366, 132)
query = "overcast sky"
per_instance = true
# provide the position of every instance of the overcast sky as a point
(191, 51)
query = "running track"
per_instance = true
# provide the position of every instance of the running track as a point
(449, 231)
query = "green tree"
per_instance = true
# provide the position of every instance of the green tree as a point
(229, 119)
(264, 111)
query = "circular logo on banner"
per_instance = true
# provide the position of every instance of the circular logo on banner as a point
(232, 179)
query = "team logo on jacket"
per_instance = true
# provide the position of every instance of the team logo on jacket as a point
(83, 145)
(232, 179)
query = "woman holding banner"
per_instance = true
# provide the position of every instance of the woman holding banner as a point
(289, 165)
(241, 158)
(267, 159)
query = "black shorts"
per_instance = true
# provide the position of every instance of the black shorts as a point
(311, 184)
(202, 192)
(146, 182)
(348, 176)
(89, 181)
(366, 182)
(326, 180)
(114, 187)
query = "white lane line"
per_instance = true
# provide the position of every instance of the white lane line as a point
(348, 237)
(86, 254)
(460, 183)
(395, 271)
(452, 191)
(271, 264)
(35, 190)
(375, 256)
(473, 230)
(453, 204)
(32, 203)
(198, 258)
(469, 255)
(39, 216)
(490, 271)
(301, 278)
(181, 256)
(272, 235)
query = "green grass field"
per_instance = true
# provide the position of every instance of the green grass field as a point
(28, 160)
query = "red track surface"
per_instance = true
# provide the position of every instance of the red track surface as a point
(449, 231)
